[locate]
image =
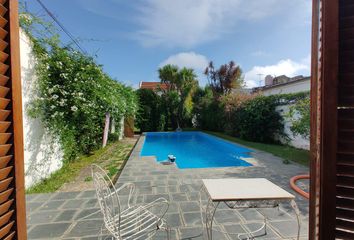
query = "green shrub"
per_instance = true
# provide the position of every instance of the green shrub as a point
(250, 117)
(170, 107)
(150, 115)
(257, 120)
(113, 137)
(231, 103)
(162, 123)
(300, 118)
(211, 117)
(208, 111)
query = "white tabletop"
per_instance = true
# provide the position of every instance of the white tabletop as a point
(231, 189)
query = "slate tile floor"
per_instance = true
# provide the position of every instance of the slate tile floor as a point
(61, 215)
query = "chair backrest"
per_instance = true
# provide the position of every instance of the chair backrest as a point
(107, 199)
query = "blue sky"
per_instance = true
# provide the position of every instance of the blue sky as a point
(132, 39)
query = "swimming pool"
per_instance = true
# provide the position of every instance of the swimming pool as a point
(194, 149)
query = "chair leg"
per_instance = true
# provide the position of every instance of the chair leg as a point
(101, 231)
(103, 228)
(168, 232)
(109, 238)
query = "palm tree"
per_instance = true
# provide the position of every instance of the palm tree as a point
(183, 82)
(168, 75)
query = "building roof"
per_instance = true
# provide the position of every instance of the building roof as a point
(291, 81)
(153, 85)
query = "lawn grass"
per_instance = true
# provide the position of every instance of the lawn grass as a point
(110, 158)
(286, 152)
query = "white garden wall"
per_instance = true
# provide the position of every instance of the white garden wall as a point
(43, 154)
(42, 151)
(295, 141)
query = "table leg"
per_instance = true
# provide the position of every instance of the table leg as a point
(209, 217)
(250, 235)
(297, 212)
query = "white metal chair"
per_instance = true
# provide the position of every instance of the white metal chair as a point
(135, 221)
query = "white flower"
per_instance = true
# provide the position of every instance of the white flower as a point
(74, 108)
(55, 96)
(63, 75)
(62, 103)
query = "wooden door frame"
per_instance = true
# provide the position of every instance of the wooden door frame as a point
(16, 99)
(324, 78)
(324, 84)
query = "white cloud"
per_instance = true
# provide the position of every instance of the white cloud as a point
(187, 59)
(286, 67)
(185, 23)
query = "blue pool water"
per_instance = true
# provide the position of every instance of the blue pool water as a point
(194, 149)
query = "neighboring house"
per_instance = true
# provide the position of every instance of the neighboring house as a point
(157, 87)
(283, 84)
(242, 90)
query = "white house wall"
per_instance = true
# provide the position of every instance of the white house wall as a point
(42, 152)
(300, 86)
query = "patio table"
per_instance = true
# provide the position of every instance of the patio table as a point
(243, 193)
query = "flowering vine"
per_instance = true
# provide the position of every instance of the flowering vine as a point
(73, 91)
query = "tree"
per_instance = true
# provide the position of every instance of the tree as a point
(168, 75)
(207, 110)
(181, 85)
(148, 117)
(257, 120)
(300, 118)
(171, 101)
(227, 77)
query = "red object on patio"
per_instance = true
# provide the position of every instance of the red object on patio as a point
(296, 188)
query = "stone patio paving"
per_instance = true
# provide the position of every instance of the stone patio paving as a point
(59, 215)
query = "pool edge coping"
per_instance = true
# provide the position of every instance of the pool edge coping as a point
(255, 151)
(140, 143)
